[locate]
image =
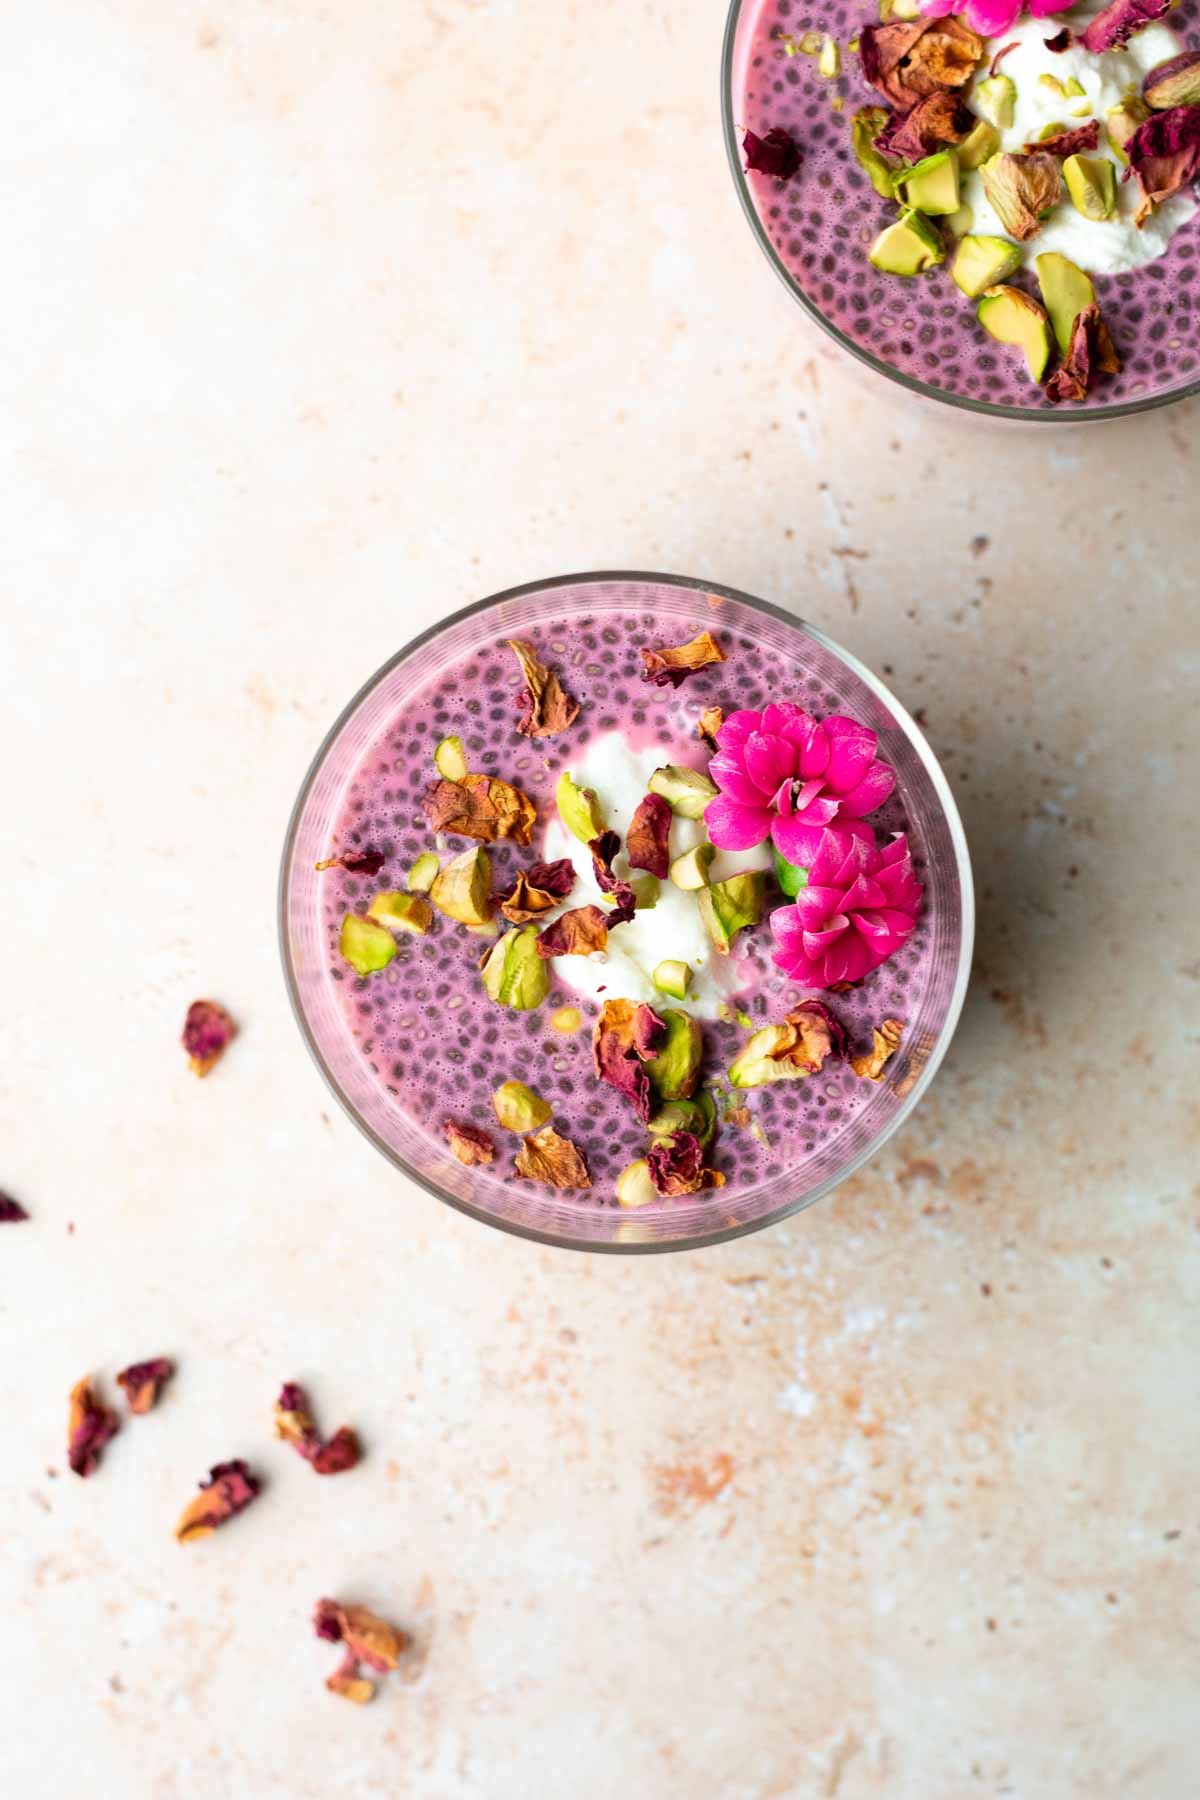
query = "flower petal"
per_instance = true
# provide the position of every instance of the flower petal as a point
(734, 827)
(727, 771)
(796, 841)
(782, 718)
(849, 960)
(870, 792)
(849, 759)
(814, 751)
(799, 967)
(768, 760)
(817, 943)
(992, 18)
(863, 892)
(813, 905)
(737, 728)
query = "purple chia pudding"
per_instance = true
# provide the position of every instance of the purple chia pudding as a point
(820, 223)
(423, 1043)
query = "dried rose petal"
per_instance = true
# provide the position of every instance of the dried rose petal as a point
(546, 707)
(885, 1042)
(471, 1145)
(1002, 52)
(623, 1037)
(367, 1638)
(229, 1490)
(677, 1165)
(142, 1382)
(1023, 189)
(545, 1156)
(648, 1031)
(940, 118)
(647, 842)
(208, 1032)
(1114, 27)
(777, 153)
(340, 1452)
(711, 721)
(1091, 352)
(538, 890)
(355, 862)
(668, 666)
(604, 849)
(1062, 40)
(11, 1211)
(580, 932)
(480, 806)
(90, 1426)
(295, 1424)
(908, 59)
(1164, 154)
(818, 1034)
(1067, 143)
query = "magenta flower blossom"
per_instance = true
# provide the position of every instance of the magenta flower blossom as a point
(790, 777)
(859, 907)
(990, 18)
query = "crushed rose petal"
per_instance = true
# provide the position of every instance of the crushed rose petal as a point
(294, 1423)
(481, 807)
(229, 1490)
(208, 1032)
(616, 1056)
(940, 118)
(90, 1425)
(546, 707)
(580, 932)
(604, 849)
(1091, 352)
(142, 1382)
(367, 1639)
(677, 1165)
(1067, 143)
(668, 666)
(355, 862)
(1062, 40)
(11, 1211)
(1164, 154)
(538, 890)
(1113, 28)
(906, 60)
(885, 1042)
(777, 153)
(471, 1145)
(1002, 52)
(545, 1156)
(710, 722)
(815, 1035)
(647, 842)
(648, 1031)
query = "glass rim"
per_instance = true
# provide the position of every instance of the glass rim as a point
(945, 798)
(1057, 416)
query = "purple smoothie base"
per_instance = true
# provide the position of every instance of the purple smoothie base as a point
(424, 1027)
(822, 222)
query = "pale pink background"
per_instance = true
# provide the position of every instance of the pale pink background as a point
(320, 321)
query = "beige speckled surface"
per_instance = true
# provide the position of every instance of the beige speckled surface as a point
(319, 322)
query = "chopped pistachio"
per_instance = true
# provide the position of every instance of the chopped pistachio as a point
(634, 1186)
(686, 791)
(423, 873)
(959, 223)
(1012, 316)
(931, 186)
(672, 978)
(1054, 129)
(1081, 112)
(402, 912)
(981, 262)
(675, 1069)
(518, 1108)
(513, 972)
(646, 889)
(697, 1115)
(1066, 290)
(450, 759)
(579, 809)
(690, 871)
(1174, 83)
(463, 889)
(837, 103)
(566, 1019)
(865, 127)
(729, 906)
(908, 246)
(1054, 85)
(366, 946)
(829, 62)
(980, 143)
(1092, 184)
(1074, 88)
(996, 99)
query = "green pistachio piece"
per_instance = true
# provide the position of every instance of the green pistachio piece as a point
(646, 889)
(829, 62)
(686, 791)
(1074, 88)
(579, 809)
(566, 1019)
(1054, 85)
(729, 906)
(1123, 120)
(1066, 290)
(1174, 83)
(463, 889)
(931, 186)
(1054, 129)
(980, 143)
(513, 972)
(996, 99)
(1092, 184)
(423, 873)
(1081, 112)
(450, 759)
(690, 871)
(756, 1065)
(908, 247)
(981, 262)
(1012, 316)
(634, 1186)
(697, 1115)
(402, 912)
(672, 978)
(518, 1108)
(675, 1070)
(366, 946)
(865, 127)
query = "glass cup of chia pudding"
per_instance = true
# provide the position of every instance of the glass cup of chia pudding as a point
(987, 201)
(626, 912)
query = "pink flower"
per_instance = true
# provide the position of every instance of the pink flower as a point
(789, 777)
(859, 907)
(990, 18)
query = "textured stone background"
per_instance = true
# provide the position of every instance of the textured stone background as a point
(319, 322)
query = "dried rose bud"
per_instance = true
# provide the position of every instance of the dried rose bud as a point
(546, 707)
(367, 1639)
(775, 153)
(143, 1382)
(669, 665)
(355, 862)
(229, 1490)
(208, 1032)
(885, 1042)
(471, 1145)
(90, 1426)
(11, 1211)
(295, 1424)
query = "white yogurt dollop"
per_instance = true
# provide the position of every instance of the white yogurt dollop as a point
(672, 930)
(1101, 247)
